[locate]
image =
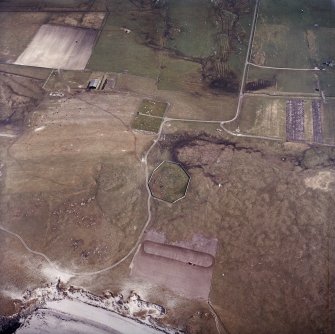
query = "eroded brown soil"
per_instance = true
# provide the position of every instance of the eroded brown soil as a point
(18, 96)
(73, 182)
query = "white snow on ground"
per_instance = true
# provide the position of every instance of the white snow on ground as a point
(9, 135)
(82, 312)
(73, 316)
(45, 321)
(40, 128)
(52, 274)
(12, 293)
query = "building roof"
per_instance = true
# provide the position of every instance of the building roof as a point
(94, 83)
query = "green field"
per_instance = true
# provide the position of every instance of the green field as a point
(173, 42)
(282, 38)
(261, 116)
(117, 51)
(286, 81)
(328, 123)
(152, 108)
(327, 82)
(298, 12)
(17, 30)
(146, 123)
(33, 72)
(280, 45)
(180, 75)
(193, 31)
(149, 116)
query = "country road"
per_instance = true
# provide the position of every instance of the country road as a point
(284, 68)
(145, 161)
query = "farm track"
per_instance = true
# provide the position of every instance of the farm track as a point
(145, 161)
(20, 75)
(284, 68)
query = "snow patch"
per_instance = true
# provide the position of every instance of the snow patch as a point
(105, 314)
(12, 293)
(321, 181)
(40, 128)
(53, 274)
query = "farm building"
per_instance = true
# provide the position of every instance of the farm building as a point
(94, 84)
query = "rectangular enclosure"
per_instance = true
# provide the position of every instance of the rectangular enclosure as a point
(317, 122)
(295, 120)
(59, 47)
(183, 270)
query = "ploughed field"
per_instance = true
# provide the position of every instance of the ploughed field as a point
(59, 47)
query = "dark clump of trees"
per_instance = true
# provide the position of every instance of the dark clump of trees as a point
(9, 325)
(225, 84)
(147, 4)
(259, 84)
(216, 69)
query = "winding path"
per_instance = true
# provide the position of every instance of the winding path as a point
(219, 324)
(145, 161)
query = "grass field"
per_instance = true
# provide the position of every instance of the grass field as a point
(286, 81)
(117, 51)
(261, 116)
(17, 30)
(194, 31)
(266, 116)
(147, 25)
(34, 72)
(180, 75)
(308, 121)
(146, 123)
(149, 116)
(172, 43)
(282, 38)
(327, 82)
(299, 12)
(280, 45)
(324, 39)
(152, 108)
(297, 34)
(329, 122)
